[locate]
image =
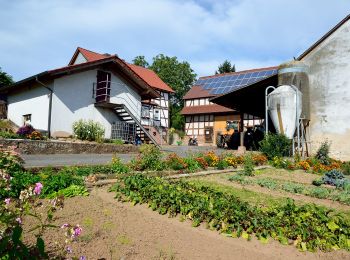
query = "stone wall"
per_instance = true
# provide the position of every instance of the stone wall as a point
(64, 147)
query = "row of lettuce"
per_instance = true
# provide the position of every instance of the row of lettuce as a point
(308, 227)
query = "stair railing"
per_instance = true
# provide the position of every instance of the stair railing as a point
(149, 135)
(134, 107)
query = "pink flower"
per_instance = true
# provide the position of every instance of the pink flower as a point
(38, 187)
(77, 231)
(7, 201)
(65, 225)
(19, 220)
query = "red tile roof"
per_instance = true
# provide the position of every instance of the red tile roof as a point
(207, 109)
(197, 92)
(151, 78)
(88, 55)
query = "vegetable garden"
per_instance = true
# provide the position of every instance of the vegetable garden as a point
(145, 180)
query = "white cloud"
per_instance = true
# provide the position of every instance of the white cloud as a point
(38, 35)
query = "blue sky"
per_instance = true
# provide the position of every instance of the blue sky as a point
(39, 35)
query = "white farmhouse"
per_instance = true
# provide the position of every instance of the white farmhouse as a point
(128, 100)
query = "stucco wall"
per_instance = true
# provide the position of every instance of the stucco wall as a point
(122, 93)
(32, 100)
(73, 100)
(330, 93)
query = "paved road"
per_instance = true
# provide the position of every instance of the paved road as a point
(42, 160)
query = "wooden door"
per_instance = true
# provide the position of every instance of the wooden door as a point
(103, 86)
(208, 134)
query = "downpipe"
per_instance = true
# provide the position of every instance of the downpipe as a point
(50, 107)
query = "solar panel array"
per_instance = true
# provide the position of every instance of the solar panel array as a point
(223, 84)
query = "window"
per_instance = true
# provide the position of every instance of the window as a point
(156, 115)
(145, 112)
(27, 119)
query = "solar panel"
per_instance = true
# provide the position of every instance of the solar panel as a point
(240, 76)
(223, 84)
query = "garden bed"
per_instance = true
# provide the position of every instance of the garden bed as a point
(116, 230)
(25, 146)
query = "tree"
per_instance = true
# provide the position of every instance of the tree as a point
(180, 77)
(140, 61)
(5, 79)
(226, 67)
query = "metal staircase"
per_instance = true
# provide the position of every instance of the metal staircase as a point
(126, 116)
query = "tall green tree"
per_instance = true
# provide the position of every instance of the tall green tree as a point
(178, 75)
(140, 61)
(226, 67)
(5, 79)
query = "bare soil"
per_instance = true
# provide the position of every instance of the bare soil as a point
(116, 230)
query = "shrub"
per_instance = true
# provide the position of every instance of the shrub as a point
(222, 164)
(211, 158)
(304, 165)
(35, 135)
(192, 164)
(25, 130)
(345, 168)
(318, 182)
(175, 162)
(88, 130)
(9, 135)
(259, 159)
(20, 181)
(283, 163)
(150, 158)
(335, 178)
(275, 145)
(10, 160)
(202, 162)
(118, 167)
(322, 153)
(58, 181)
(248, 168)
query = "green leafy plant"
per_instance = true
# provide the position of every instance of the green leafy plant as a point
(275, 145)
(192, 164)
(118, 166)
(267, 183)
(248, 167)
(322, 153)
(71, 191)
(9, 135)
(150, 158)
(58, 181)
(88, 130)
(222, 164)
(345, 168)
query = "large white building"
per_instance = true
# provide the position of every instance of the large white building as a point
(128, 100)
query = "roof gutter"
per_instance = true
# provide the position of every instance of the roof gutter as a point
(50, 106)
